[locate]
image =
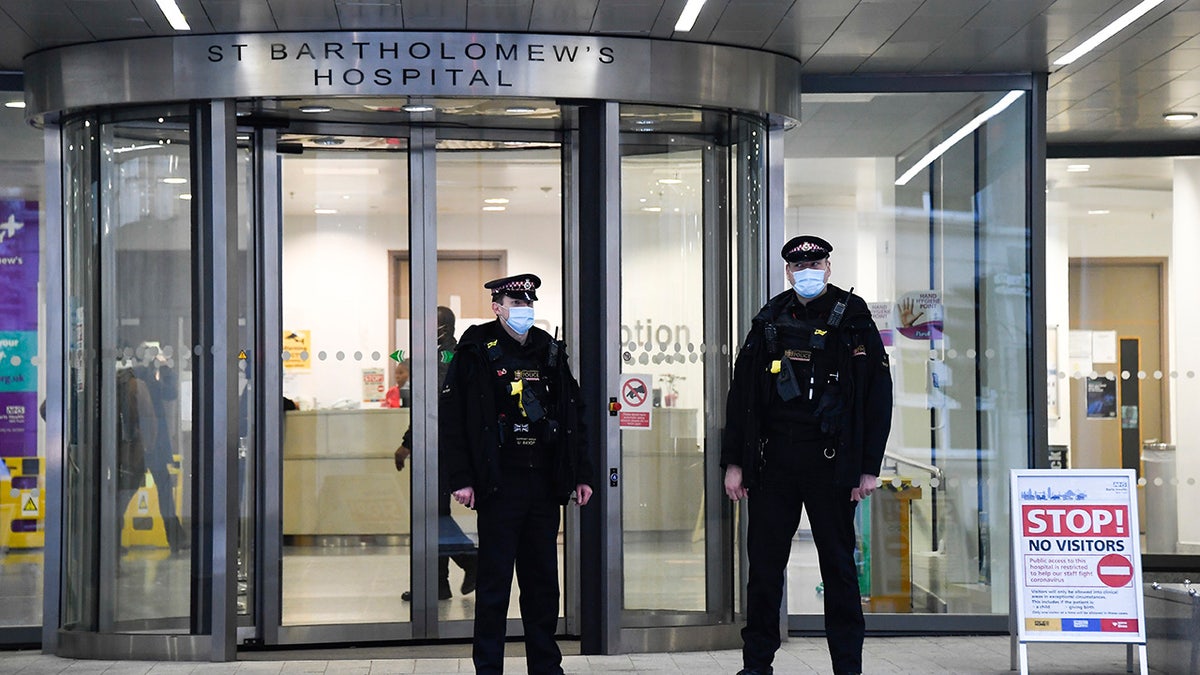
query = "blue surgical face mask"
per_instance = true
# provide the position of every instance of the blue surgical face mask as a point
(808, 283)
(520, 319)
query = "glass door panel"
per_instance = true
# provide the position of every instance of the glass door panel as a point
(145, 376)
(346, 508)
(499, 213)
(663, 372)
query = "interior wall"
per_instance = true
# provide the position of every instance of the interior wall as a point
(333, 274)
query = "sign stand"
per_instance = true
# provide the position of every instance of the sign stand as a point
(1076, 561)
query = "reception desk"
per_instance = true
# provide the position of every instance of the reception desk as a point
(339, 473)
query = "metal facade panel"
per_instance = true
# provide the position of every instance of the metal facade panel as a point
(297, 15)
(231, 16)
(749, 23)
(499, 15)
(555, 16)
(110, 19)
(371, 16)
(626, 17)
(435, 14)
(48, 22)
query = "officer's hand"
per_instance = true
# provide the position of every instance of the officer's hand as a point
(465, 496)
(402, 455)
(866, 485)
(583, 492)
(733, 482)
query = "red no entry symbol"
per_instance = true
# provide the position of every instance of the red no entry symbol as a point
(1115, 570)
(634, 391)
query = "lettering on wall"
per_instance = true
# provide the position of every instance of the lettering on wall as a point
(423, 64)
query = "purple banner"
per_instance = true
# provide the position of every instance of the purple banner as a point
(19, 247)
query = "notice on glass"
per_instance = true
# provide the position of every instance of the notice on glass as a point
(1077, 564)
(635, 404)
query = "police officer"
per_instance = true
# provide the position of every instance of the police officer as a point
(808, 415)
(512, 437)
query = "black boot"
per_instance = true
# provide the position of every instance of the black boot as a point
(470, 568)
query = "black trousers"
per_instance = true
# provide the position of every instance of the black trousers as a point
(518, 527)
(775, 506)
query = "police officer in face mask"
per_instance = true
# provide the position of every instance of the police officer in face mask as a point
(511, 437)
(808, 416)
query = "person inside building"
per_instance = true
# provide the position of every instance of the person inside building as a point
(807, 419)
(453, 543)
(154, 369)
(512, 440)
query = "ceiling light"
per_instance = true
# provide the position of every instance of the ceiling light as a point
(1107, 32)
(494, 208)
(315, 109)
(1078, 168)
(187, 197)
(15, 104)
(1098, 212)
(174, 16)
(687, 18)
(1179, 116)
(495, 200)
(669, 181)
(652, 209)
(325, 212)
(959, 135)
(417, 108)
(174, 181)
(519, 110)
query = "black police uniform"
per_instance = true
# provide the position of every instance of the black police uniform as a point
(510, 429)
(808, 413)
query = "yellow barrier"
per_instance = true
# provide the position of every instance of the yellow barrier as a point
(23, 503)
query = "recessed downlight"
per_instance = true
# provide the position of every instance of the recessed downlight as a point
(1078, 168)
(1179, 116)
(417, 108)
(314, 109)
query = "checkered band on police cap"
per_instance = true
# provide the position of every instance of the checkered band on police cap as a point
(806, 248)
(518, 286)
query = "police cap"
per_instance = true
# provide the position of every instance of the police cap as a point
(806, 248)
(518, 287)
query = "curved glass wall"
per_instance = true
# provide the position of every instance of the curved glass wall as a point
(130, 307)
(923, 197)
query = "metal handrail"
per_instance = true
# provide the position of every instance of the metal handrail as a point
(932, 470)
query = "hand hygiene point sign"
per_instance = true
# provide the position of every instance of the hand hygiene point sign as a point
(1076, 555)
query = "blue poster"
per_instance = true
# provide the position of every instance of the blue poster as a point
(19, 248)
